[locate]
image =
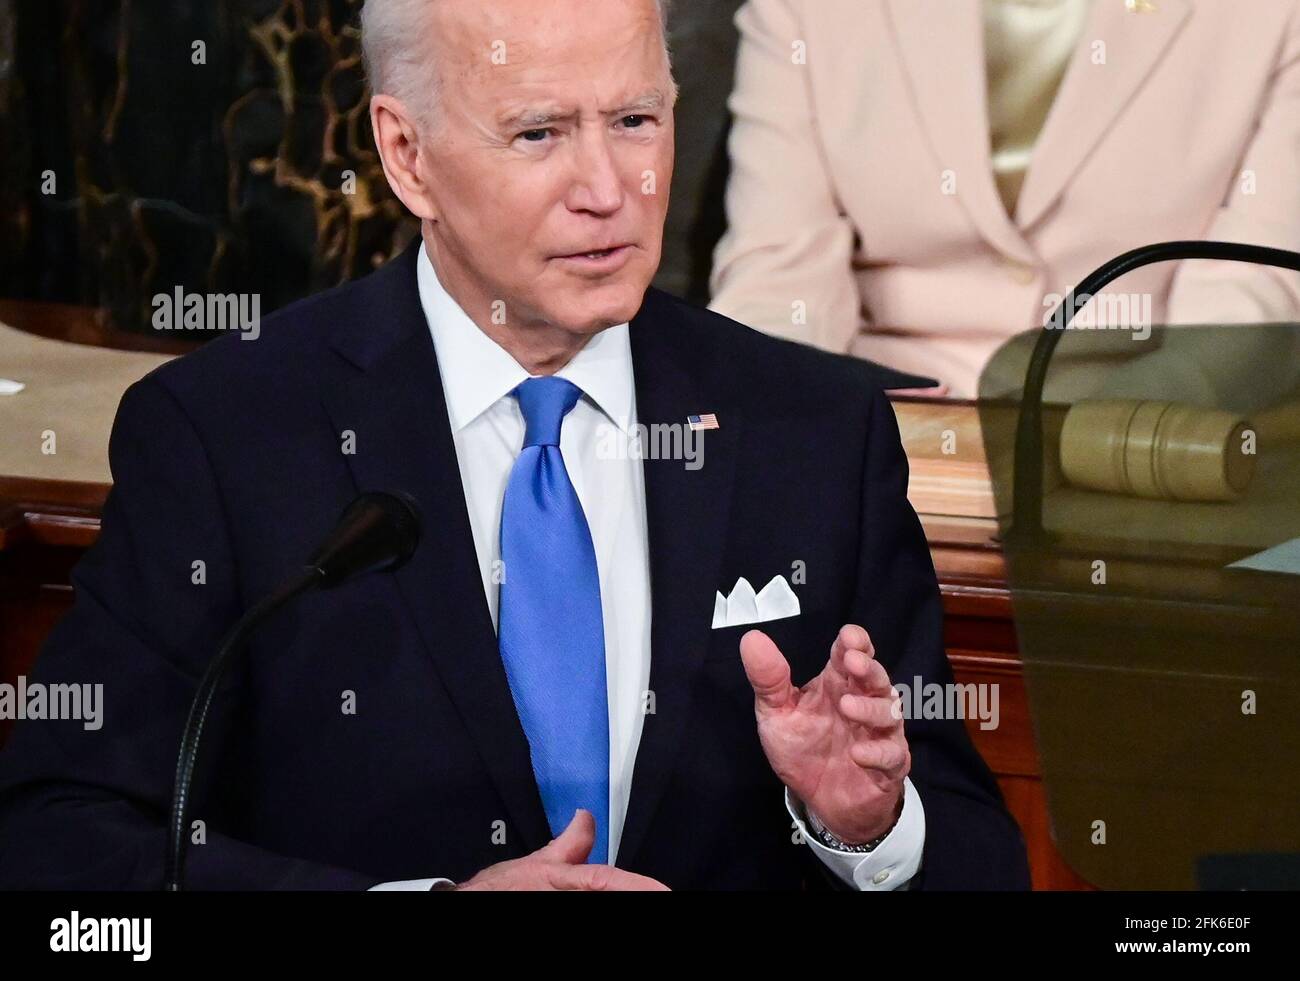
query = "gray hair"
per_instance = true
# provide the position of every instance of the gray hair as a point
(397, 65)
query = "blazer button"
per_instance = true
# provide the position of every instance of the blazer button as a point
(880, 876)
(1021, 273)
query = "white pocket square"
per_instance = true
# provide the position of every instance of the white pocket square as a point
(773, 602)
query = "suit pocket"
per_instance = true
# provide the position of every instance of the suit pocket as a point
(724, 642)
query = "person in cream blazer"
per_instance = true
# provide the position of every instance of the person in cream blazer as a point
(914, 181)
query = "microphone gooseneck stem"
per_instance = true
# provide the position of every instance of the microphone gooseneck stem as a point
(1027, 494)
(174, 871)
(377, 531)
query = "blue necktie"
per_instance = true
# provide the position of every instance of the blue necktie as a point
(551, 633)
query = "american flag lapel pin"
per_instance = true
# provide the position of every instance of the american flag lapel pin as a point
(706, 421)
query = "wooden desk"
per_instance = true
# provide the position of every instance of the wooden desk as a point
(45, 525)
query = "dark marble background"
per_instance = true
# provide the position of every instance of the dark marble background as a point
(227, 176)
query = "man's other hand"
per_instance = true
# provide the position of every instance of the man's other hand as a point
(561, 865)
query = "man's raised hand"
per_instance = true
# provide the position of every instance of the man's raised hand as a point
(838, 741)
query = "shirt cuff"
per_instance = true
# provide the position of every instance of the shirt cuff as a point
(888, 866)
(408, 885)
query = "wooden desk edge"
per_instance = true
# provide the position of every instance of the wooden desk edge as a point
(49, 512)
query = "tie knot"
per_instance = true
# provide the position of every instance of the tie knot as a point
(545, 402)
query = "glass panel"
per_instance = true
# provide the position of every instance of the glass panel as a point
(1163, 673)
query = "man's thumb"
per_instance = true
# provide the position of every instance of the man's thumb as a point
(767, 669)
(572, 845)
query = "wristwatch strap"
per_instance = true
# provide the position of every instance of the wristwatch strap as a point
(825, 837)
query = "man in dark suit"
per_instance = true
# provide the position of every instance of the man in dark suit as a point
(562, 688)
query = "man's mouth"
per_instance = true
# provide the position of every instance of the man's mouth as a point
(599, 258)
(596, 254)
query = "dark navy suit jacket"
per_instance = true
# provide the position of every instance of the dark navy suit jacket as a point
(233, 457)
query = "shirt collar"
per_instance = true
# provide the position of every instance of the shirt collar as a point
(477, 372)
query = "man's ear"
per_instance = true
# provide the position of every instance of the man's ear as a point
(397, 139)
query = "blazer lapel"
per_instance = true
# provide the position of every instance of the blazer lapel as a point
(1092, 96)
(395, 406)
(942, 50)
(686, 514)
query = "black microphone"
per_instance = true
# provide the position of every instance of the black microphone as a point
(377, 532)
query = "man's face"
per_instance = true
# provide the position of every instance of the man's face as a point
(554, 138)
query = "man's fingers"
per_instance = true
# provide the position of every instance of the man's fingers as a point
(572, 845)
(866, 675)
(850, 638)
(876, 711)
(879, 754)
(852, 655)
(767, 669)
(600, 878)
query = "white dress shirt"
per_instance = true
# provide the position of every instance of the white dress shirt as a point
(488, 430)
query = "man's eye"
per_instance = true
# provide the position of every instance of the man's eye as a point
(639, 120)
(529, 135)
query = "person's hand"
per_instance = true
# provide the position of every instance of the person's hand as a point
(561, 865)
(838, 741)
(933, 392)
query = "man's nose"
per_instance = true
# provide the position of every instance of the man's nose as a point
(597, 185)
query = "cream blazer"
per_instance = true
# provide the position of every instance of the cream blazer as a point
(864, 216)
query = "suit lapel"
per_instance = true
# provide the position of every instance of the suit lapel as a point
(1092, 96)
(395, 406)
(942, 49)
(686, 515)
